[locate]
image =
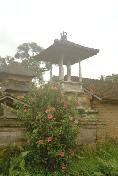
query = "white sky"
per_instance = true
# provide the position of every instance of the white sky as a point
(92, 23)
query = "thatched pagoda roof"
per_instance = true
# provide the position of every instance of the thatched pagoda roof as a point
(16, 69)
(104, 90)
(69, 50)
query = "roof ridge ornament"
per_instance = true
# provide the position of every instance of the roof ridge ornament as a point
(63, 35)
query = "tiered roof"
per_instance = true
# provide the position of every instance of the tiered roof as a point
(16, 69)
(104, 90)
(70, 51)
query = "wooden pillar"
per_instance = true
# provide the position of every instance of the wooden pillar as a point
(80, 72)
(5, 109)
(61, 69)
(68, 71)
(51, 72)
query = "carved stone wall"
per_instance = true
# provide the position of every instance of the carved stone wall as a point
(91, 127)
(11, 132)
(91, 131)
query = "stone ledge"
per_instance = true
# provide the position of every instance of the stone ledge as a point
(91, 122)
(72, 87)
(10, 122)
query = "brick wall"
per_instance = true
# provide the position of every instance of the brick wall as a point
(108, 112)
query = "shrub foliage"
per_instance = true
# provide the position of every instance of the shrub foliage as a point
(51, 134)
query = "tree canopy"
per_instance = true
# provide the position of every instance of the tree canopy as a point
(113, 78)
(4, 61)
(24, 55)
(26, 50)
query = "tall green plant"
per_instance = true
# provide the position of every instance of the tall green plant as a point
(50, 130)
(17, 165)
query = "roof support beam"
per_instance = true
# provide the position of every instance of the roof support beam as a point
(80, 72)
(61, 69)
(68, 71)
(51, 72)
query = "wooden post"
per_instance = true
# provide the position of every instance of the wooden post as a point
(61, 69)
(68, 71)
(5, 109)
(51, 72)
(80, 72)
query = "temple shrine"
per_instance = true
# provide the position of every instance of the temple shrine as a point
(63, 52)
(98, 99)
(15, 79)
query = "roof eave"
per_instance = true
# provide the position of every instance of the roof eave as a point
(49, 56)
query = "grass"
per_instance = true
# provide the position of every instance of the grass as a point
(99, 161)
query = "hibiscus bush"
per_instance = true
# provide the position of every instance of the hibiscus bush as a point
(52, 128)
